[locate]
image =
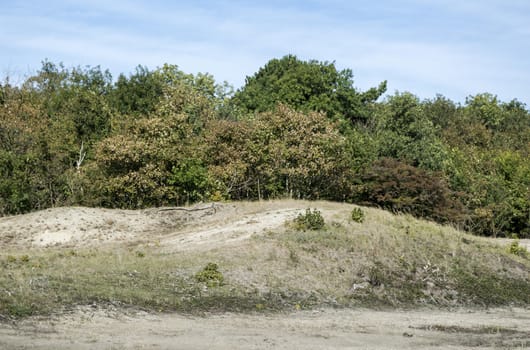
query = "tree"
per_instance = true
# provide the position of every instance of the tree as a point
(404, 132)
(440, 111)
(25, 183)
(157, 159)
(489, 142)
(280, 153)
(137, 94)
(400, 187)
(306, 86)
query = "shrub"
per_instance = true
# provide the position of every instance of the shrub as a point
(210, 275)
(401, 187)
(357, 215)
(311, 220)
(517, 249)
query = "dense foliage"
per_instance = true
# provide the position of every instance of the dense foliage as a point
(296, 129)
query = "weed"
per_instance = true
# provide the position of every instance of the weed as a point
(210, 275)
(311, 220)
(517, 249)
(216, 196)
(468, 330)
(11, 259)
(20, 310)
(293, 255)
(357, 215)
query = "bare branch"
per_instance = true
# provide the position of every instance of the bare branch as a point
(82, 154)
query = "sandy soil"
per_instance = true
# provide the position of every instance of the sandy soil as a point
(88, 328)
(207, 226)
(203, 226)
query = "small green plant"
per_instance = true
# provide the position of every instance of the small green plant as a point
(517, 249)
(140, 254)
(20, 310)
(357, 215)
(210, 275)
(311, 220)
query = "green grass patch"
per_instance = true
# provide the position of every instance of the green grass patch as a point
(54, 280)
(403, 262)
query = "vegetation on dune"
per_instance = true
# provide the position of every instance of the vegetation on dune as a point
(384, 261)
(299, 129)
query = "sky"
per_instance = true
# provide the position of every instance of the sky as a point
(455, 48)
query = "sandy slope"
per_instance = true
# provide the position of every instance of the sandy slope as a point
(207, 226)
(202, 226)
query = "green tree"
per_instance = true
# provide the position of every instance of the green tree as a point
(280, 153)
(489, 149)
(137, 94)
(306, 86)
(24, 181)
(404, 132)
(440, 111)
(157, 159)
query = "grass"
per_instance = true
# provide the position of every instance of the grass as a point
(51, 281)
(470, 330)
(383, 261)
(484, 336)
(400, 261)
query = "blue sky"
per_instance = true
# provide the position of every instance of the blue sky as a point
(455, 48)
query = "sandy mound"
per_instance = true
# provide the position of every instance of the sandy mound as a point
(76, 226)
(203, 226)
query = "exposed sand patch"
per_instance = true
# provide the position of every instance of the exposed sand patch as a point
(229, 233)
(88, 328)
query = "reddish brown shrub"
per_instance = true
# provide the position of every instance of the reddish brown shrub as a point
(397, 186)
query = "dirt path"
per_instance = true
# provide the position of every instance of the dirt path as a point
(88, 328)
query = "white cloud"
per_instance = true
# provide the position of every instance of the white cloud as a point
(451, 47)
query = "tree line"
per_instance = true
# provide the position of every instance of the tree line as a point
(297, 129)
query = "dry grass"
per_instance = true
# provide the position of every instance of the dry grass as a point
(385, 261)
